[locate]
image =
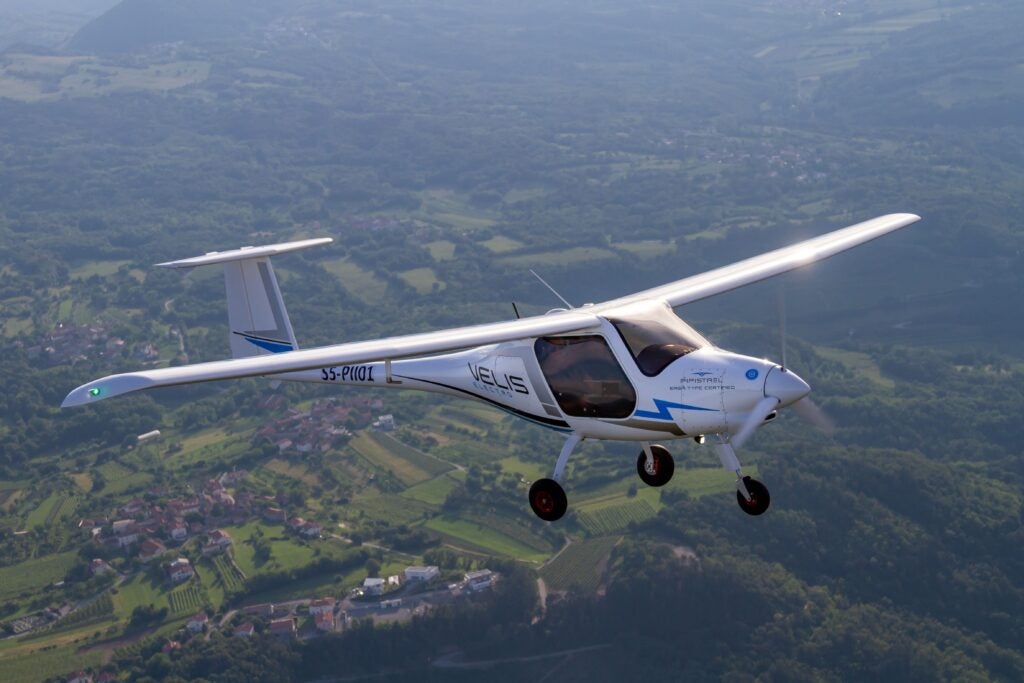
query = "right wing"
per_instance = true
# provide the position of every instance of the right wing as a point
(391, 348)
(757, 268)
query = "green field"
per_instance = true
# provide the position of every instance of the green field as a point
(646, 248)
(359, 282)
(139, 591)
(579, 566)
(861, 363)
(529, 471)
(480, 537)
(101, 268)
(32, 575)
(285, 553)
(186, 599)
(501, 244)
(228, 574)
(613, 515)
(394, 509)
(42, 664)
(44, 511)
(441, 250)
(406, 464)
(561, 257)
(432, 492)
(422, 279)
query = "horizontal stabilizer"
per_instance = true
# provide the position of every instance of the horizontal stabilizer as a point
(245, 253)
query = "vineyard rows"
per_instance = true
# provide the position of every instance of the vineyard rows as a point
(229, 575)
(611, 518)
(577, 567)
(188, 600)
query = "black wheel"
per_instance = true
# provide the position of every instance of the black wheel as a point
(661, 469)
(759, 498)
(547, 499)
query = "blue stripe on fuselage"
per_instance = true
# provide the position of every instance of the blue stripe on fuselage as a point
(663, 408)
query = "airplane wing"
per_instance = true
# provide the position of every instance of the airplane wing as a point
(767, 265)
(391, 348)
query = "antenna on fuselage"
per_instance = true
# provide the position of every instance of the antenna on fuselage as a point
(553, 291)
(516, 309)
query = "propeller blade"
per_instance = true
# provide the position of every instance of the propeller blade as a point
(754, 420)
(813, 413)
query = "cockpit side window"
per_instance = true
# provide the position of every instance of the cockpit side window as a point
(585, 377)
(657, 340)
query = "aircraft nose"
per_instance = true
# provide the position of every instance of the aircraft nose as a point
(786, 386)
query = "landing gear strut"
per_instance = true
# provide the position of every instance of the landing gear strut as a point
(547, 497)
(655, 465)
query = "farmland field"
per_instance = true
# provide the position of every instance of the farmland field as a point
(407, 465)
(484, 538)
(34, 574)
(229, 576)
(42, 514)
(576, 568)
(359, 282)
(610, 516)
(188, 598)
(422, 279)
(432, 492)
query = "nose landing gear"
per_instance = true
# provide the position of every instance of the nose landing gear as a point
(759, 499)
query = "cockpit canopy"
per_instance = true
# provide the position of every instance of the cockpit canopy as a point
(656, 337)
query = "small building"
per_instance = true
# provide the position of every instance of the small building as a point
(422, 573)
(321, 605)
(244, 630)
(151, 548)
(284, 628)
(148, 436)
(198, 622)
(296, 523)
(263, 609)
(79, 677)
(373, 586)
(178, 530)
(180, 570)
(98, 566)
(272, 514)
(310, 530)
(123, 527)
(385, 423)
(219, 541)
(479, 580)
(170, 646)
(324, 621)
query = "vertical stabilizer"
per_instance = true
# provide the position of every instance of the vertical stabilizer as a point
(257, 319)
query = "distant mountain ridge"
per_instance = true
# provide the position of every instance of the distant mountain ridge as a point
(136, 24)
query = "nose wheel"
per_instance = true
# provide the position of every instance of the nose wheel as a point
(655, 465)
(547, 499)
(759, 498)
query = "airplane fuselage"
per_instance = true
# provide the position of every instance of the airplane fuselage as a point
(707, 391)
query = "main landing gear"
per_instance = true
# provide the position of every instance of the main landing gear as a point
(547, 497)
(655, 467)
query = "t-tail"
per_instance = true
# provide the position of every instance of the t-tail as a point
(258, 323)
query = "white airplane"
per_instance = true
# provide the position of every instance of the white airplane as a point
(627, 369)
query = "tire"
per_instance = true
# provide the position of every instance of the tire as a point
(664, 466)
(547, 500)
(759, 497)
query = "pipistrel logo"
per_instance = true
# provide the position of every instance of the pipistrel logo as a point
(752, 374)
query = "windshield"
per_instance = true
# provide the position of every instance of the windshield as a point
(657, 338)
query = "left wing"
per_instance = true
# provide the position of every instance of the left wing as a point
(391, 348)
(767, 265)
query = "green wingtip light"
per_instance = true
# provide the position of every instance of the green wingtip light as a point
(95, 391)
